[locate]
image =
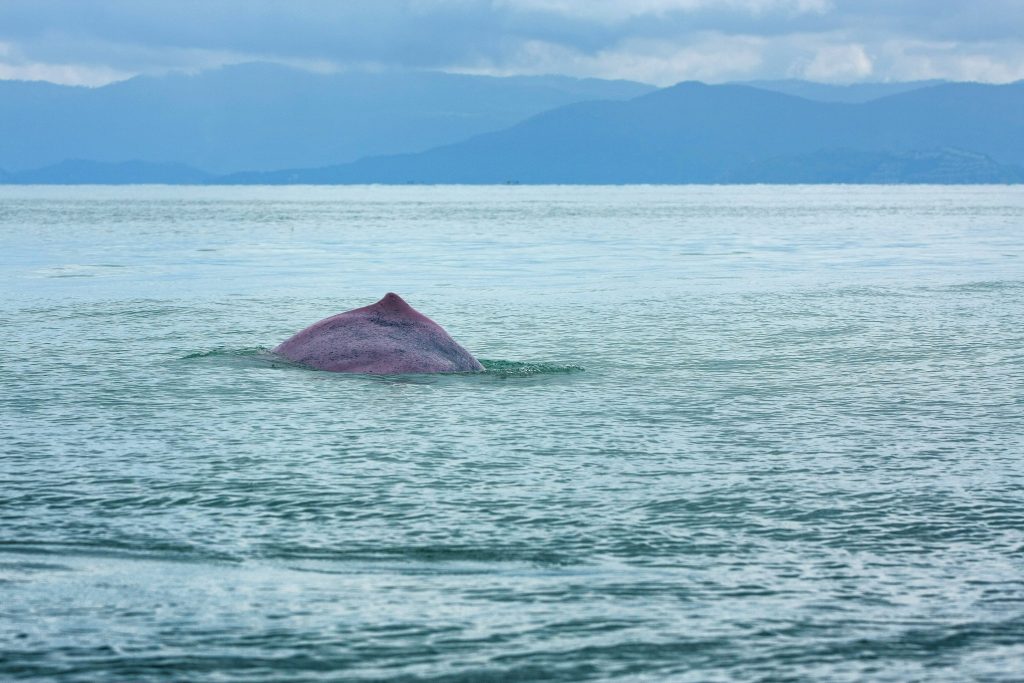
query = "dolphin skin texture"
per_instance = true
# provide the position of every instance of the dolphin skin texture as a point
(389, 337)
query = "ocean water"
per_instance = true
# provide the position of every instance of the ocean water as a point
(725, 434)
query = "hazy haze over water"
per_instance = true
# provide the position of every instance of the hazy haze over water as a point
(794, 449)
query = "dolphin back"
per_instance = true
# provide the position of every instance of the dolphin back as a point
(388, 337)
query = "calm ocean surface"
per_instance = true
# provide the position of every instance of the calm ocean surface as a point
(727, 434)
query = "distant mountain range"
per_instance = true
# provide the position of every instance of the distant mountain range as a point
(851, 94)
(79, 172)
(948, 166)
(473, 129)
(696, 133)
(266, 116)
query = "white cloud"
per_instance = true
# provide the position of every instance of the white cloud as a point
(658, 41)
(616, 10)
(14, 67)
(909, 60)
(837, 64)
(710, 58)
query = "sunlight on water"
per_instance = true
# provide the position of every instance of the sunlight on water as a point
(724, 433)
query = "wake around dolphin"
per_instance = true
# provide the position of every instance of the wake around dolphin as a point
(389, 337)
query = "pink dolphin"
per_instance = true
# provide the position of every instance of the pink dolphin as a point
(386, 338)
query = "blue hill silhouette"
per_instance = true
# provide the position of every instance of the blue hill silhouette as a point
(697, 133)
(851, 93)
(265, 116)
(82, 172)
(688, 133)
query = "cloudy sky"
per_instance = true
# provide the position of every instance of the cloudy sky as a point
(658, 41)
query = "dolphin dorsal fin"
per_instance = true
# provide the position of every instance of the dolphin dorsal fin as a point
(393, 302)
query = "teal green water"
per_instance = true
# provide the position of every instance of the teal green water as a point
(725, 434)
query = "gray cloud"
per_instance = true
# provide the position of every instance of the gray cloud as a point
(661, 41)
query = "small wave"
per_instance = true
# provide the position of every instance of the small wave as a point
(470, 558)
(134, 549)
(511, 368)
(987, 286)
(259, 356)
(262, 355)
(230, 353)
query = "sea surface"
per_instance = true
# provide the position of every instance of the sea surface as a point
(725, 434)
